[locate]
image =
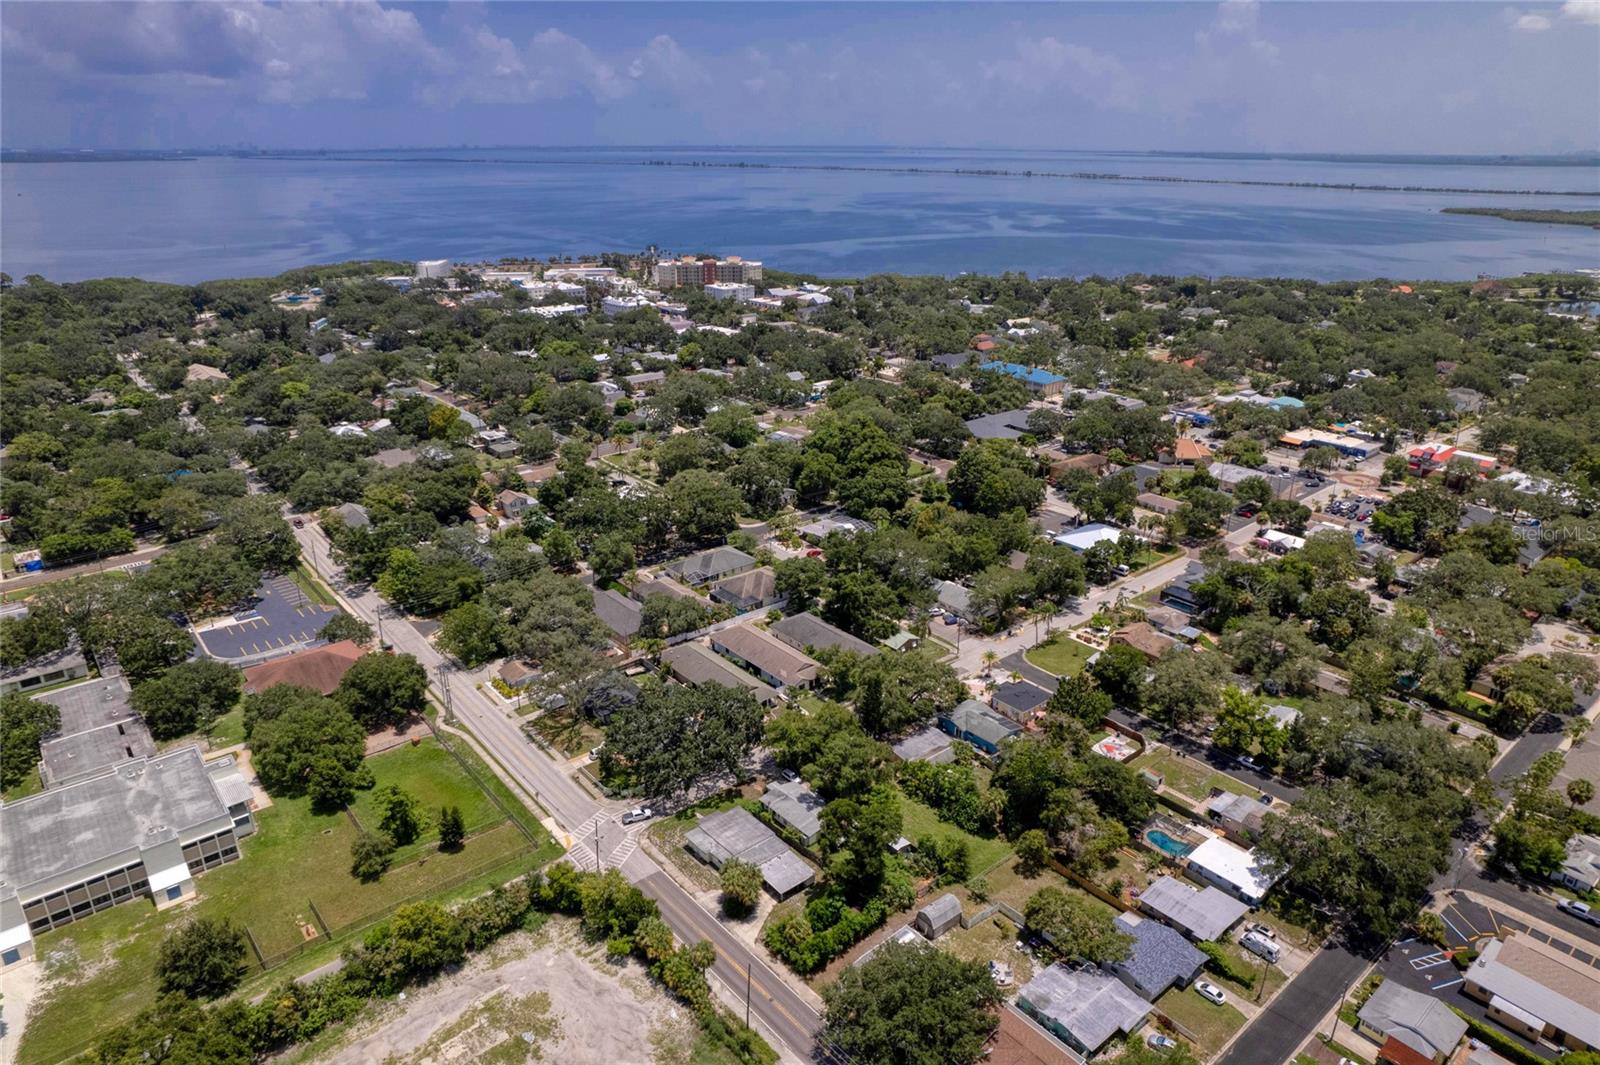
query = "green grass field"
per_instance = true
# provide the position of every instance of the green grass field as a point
(919, 820)
(100, 968)
(1210, 1024)
(1060, 654)
(1192, 778)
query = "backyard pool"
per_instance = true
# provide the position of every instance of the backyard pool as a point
(1167, 845)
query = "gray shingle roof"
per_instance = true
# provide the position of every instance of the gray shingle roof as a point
(1420, 1021)
(795, 805)
(808, 630)
(1158, 957)
(1200, 913)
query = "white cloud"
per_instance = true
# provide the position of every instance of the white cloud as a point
(1582, 11)
(1046, 64)
(1527, 21)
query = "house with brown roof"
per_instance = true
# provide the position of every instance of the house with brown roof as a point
(749, 590)
(199, 371)
(1187, 451)
(320, 668)
(1142, 637)
(1157, 504)
(768, 657)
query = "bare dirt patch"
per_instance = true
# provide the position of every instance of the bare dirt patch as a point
(541, 997)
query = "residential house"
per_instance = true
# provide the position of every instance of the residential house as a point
(354, 515)
(1239, 816)
(319, 668)
(648, 381)
(809, 633)
(661, 586)
(618, 613)
(1083, 1008)
(902, 641)
(1006, 425)
(817, 531)
(1537, 991)
(749, 590)
(951, 361)
(955, 599)
(770, 658)
(694, 663)
(1158, 958)
(1086, 536)
(1142, 637)
(1242, 873)
(1039, 382)
(736, 833)
(1187, 451)
(514, 504)
(978, 725)
(1580, 869)
(1202, 914)
(925, 745)
(1419, 1020)
(1179, 592)
(1019, 699)
(199, 372)
(707, 566)
(1157, 504)
(515, 673)
(796, 807)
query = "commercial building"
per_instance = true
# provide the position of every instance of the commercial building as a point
(320, 668)
(437, 269)
(1006, 425)
(1420, 1021)
(1348, 446)
(796, 807)
(774, 661)
(809, 633)
(1241, 873)
(690, 272)
(737, 833)
(1039, 382)
(1083, 1008)
(1158, 957)
(1537, 991)
(146, 828)
(63, 665)
(98, 728)
(1202, 914)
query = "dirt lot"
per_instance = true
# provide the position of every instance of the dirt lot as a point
(546, 996)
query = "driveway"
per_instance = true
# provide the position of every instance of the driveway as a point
(281, 619)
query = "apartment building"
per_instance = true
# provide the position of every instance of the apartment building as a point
(690, 272)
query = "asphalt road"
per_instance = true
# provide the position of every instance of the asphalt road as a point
(779, 1009)
(772, 1002)
(1277, 1031)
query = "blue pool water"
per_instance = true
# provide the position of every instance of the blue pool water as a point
(1167, 844)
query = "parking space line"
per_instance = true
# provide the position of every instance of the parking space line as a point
(1462, 917)
(1452, 983)
(1457, 931)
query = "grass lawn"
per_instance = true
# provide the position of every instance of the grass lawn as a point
(570, 733)
(1192, 778)
(668, 835)
(432, 777)
(311, 586)
(1060, 654)
(991, 940)
(1209, 1024)
(919, 820)
(1265, 985)
(1148, 557)
(101, 966)
(31, 784)
(228, 729)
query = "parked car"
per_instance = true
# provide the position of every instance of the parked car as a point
(1260, 929)
(1122, 571)
(637, 814)
(1249, 763)
(1210, 992)
(1156, 1041)
(1581, 910)
(299, 523)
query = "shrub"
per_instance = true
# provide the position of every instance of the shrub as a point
(741, 888)
(1220, 962)
(202, 959)
(370, 854)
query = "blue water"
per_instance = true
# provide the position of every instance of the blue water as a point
(1167, 844)
(222, 217)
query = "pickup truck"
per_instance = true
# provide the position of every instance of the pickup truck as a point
(1580, 910)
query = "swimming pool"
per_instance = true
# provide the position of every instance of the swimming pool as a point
(1168, 845)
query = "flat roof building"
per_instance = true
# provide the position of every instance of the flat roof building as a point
(147, 827)
(1086, 536)
(737, 833)
(1239, 872)
(65, 664)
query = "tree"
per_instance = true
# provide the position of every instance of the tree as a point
(674, 738)
(383, 689)
(24, 723)
(1057, 573)
(1120, 671)
(146, 645)
(1242, 721)
(911, 1006)
(741, 888)
(1075, 927)
(202, 959)
(175, 1031)
(187, 698)
(402, 814)
(1276, 653)
(370, 854)
(799, 581)
(254, 525)
(345, 627)
(862, 604)
(1580, 791)
(1185, 687)
(704, 505)
(560, 549)
(893, 692)
(452, 829)
(471, 632)
(859, 831)
(421, 938)
(1033, 852)
(612, 555)
(998, 591)
(312, 747)
(1080, 697)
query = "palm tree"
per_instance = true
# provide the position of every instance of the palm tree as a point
(989, 659)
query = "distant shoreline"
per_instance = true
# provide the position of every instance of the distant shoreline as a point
(1514, 214)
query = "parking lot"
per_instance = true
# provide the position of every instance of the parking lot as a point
(282, 617)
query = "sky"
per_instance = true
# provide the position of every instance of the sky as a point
(1391, 77)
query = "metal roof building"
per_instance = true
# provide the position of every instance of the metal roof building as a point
(1199, 914)
(736, 833)
(796, 806)
(1083, 1009)
(938, 916)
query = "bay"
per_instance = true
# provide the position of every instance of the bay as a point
(831, 211)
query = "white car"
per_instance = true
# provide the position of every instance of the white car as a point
(1210, 992)
(1581, 910)
(637, 814)
(1160, 1042)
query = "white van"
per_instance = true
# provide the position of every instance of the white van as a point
(1258, 944)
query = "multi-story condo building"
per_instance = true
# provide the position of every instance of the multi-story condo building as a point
(690, 272)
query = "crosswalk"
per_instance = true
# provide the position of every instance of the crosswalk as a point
(616, 845)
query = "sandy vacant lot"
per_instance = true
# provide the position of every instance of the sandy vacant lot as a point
(546, 996)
